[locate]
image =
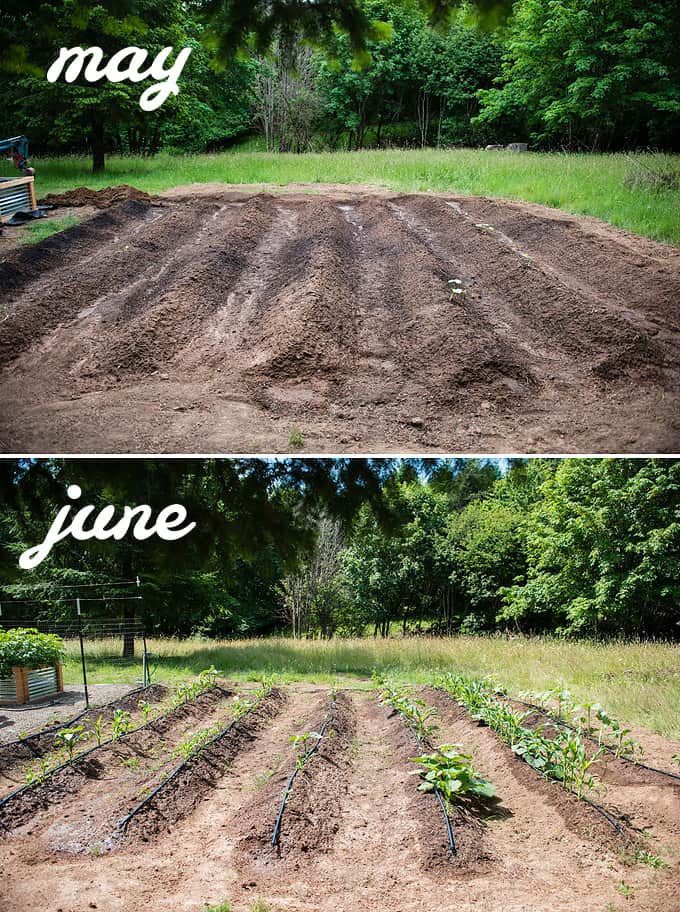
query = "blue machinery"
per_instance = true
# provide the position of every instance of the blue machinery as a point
(17, 194)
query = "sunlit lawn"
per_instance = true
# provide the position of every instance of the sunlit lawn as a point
(586, 184)
(638, 682)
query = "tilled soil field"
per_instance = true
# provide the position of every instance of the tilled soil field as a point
(355, 832)
(212, 320)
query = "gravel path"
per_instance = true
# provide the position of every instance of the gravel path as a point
(15, 721)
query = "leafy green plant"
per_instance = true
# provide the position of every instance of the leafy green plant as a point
(300, 743)
(417, 715)
(145, 709)
(448, 770)
(194, 741)
(207, 678)
(563, 757)
(24, 647)
(131, 763)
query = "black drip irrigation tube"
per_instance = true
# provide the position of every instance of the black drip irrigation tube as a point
(79, 757)
(438, 796)
(600, 810)
(590, 738)
(124, 823)
(330, 718)
(437, 793)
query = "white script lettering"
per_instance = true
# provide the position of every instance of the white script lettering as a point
(168, 526)
(72, 61)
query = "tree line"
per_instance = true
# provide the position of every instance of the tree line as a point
(322, 548)
(352, 74)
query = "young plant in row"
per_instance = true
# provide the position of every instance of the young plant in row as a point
(563, 757)
(194, 741)
(417, 715)
(69, 738)
(303, 744)
(450, 772)
(584, 715)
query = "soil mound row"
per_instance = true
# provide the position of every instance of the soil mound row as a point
(310, 818)
(386, 322)
(175, 802)
(472, 854)
(577, 816)
(16, 754)
(92, 770)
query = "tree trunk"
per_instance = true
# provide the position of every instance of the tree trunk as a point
(98, 163)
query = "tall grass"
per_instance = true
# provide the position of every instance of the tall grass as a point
(638, 682)
(583, 184)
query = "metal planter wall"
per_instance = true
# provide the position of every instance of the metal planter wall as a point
(28, 685)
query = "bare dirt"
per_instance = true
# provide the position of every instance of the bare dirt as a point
(222, 320)
(379, 848)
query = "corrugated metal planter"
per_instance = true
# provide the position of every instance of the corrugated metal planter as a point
(29, 685)
(17, 194)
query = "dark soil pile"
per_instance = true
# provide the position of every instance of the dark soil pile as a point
(101, 199)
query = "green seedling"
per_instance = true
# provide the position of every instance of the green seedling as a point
(195, 741)
(563, 758)
(97, 729)
(208, 678)
(450, 772)
(69, 738)
(121, 723)
(300, 743)
(296, 439)
(145, 709)
(37, 773)
(626, 890)
(132, 763)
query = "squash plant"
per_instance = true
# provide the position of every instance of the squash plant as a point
(450, 771)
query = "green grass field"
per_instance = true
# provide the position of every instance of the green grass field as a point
(582, 184)
(638, 682)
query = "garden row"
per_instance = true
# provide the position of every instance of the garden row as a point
(140, 780)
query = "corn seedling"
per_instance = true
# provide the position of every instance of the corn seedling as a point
(121, 723)
(37, 773)
(68, 738)
(97, 729)
(415, 713)
(194, 741)
(145, 709)
(450, 772)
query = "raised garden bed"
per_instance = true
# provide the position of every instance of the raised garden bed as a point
(30, 666)
(29, 685)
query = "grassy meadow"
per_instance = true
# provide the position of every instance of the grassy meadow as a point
(638, 682)
(583, 184)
